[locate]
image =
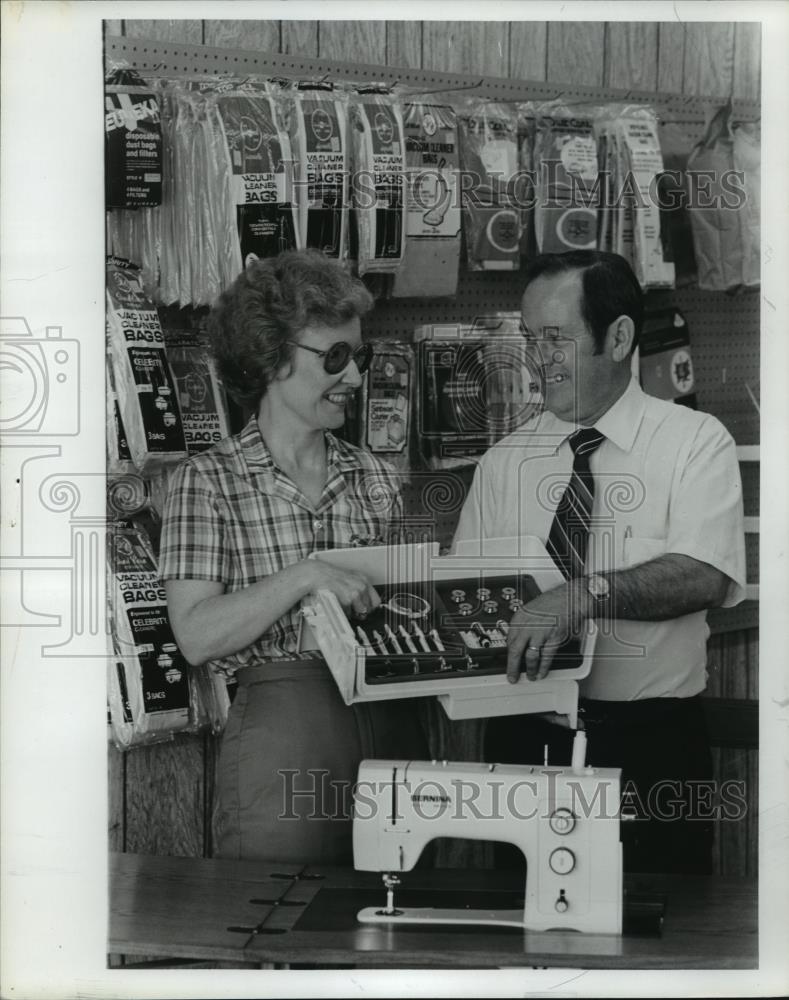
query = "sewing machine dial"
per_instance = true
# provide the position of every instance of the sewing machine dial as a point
(562, 861)
(562, 821)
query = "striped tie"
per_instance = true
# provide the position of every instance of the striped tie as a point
(569, 535)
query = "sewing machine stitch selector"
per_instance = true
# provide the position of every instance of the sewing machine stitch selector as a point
(562, 821)
(562, 861)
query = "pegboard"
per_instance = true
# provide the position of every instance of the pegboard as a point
(170, 59)
(724, 329)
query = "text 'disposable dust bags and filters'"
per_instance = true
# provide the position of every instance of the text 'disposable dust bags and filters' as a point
(133, 143)
(147, 399)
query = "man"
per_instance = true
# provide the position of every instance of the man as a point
(638, 501)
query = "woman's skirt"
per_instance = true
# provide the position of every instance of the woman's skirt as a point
(289, 760)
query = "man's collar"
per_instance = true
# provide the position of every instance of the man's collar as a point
(340, 456)
(619, 423)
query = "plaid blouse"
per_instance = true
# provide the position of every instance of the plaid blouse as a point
(231, 515)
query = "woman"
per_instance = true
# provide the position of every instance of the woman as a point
(239, 523)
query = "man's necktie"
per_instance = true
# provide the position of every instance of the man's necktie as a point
(568, 538)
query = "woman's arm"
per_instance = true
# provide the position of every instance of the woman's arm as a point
(209, 623)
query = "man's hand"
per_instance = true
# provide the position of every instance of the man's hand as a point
(541, 627)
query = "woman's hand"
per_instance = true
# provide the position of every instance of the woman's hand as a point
(352, 590)
(209, 623)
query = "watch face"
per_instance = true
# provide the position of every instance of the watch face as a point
(598, 586)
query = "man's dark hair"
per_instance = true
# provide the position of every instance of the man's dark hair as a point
(610, 289)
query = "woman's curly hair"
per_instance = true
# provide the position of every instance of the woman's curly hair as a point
(270, 303)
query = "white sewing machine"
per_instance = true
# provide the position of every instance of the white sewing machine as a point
(564, 819)
(427, 639)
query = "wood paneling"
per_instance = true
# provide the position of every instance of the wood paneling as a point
(576, 52)
(709, 59)
(353, 41)
(300, 38)
(631, 56)
(747, 60)
(189, 32)
(404, 44)
(474, 47)
(528, 45)
(257, 36)
(671, 56)
(165, 798)
(116, 782)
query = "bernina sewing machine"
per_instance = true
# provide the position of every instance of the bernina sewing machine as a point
(564, 819)
(441, 629)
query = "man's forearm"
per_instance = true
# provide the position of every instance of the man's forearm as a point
(667, 587)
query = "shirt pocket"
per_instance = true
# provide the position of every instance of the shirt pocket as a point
(639, 549)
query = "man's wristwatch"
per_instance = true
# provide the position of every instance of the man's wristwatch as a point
(599, 590)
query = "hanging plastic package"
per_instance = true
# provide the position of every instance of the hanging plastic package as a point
(135, 235)
(147, 398)
(257, 150)
(565, 170)
(148, 676)
(473, 387)
(169, 252)
(747, 162)
(387, 403)
(206, 281)
(673, 195)
(132, 142)
(119, 459)
(722, 222)
(524, 189)
(643, 163)
(318, 140)
(201, 398)
(432, 212)
(222, 202)
(378, 187)
(489, 161)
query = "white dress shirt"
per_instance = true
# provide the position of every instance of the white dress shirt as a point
(666, 480)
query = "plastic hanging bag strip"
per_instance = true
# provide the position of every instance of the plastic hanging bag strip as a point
(489, 159)
(144, 384)
(259, 155)
(379, 181)
(432, 229)
(318, 136)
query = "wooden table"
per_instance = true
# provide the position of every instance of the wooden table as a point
(271, 913)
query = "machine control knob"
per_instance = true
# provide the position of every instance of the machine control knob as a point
(561, 905)
(562, 821)
(562, 861)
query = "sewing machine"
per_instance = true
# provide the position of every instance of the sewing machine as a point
(441, 629)
(564, 819)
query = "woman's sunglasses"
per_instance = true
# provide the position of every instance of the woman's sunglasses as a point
(338, 356)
